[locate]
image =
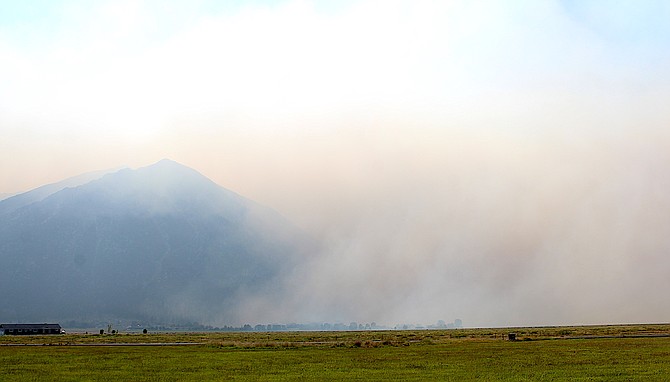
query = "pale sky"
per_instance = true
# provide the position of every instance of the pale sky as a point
(523, 142)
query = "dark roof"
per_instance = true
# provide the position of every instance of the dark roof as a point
(29, 326)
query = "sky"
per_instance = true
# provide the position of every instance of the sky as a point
(502, 162)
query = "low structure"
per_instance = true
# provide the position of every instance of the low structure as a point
(30, 329)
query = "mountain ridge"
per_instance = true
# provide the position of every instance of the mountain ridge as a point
(20, 199)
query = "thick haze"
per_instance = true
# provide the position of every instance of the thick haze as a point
(505, 163)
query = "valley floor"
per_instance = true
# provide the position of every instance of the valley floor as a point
(631, 352)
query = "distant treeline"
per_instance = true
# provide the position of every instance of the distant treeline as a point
(138, 326)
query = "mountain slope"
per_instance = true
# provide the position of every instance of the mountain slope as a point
(15, 201)
(5, 195)
(162, 243)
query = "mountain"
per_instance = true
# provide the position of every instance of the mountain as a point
(160, 243)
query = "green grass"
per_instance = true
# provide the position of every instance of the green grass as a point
(407, 356)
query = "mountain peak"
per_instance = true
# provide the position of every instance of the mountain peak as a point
(167, 165)
(171, 169)
(167, 162)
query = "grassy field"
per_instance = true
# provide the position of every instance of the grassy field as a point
(578, 353)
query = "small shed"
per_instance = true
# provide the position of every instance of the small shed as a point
(30, 329)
